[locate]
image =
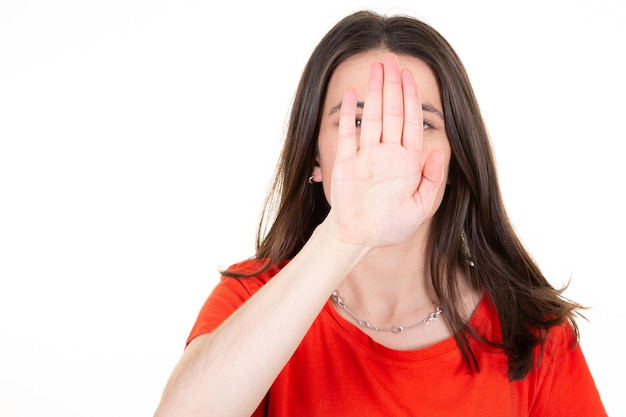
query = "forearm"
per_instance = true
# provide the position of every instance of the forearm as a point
(229, 371)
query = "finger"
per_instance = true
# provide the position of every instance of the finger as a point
(393, 109)
(432, 178)
(371, 122)
(346, 141)
(413, 129)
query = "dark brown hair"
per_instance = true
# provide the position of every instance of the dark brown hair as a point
(526, 303)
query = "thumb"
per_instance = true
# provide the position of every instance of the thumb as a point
(432, 178)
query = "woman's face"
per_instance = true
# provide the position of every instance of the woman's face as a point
(354, 72)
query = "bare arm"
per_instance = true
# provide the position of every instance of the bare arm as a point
(256, 342)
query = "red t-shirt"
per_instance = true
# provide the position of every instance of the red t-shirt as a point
(338, 370)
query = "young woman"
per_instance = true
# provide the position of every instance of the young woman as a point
(387, 278)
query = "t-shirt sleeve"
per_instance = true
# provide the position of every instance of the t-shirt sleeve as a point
(566, 385)
(229, 294)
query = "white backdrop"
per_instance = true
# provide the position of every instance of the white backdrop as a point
(138, 138)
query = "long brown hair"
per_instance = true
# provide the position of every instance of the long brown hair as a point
(526, 303)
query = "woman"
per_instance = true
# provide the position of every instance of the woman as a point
(388, 280)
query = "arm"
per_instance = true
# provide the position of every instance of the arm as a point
(230, 370)
(248, 352)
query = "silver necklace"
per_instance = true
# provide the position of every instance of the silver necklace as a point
(395, 329)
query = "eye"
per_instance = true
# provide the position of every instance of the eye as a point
(357, 122)
(427, 125)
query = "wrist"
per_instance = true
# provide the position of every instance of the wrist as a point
(329, 235)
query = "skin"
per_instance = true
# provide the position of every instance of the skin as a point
(400, 153)
(426, 129)
(384, 181)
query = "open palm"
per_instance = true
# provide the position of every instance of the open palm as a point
(383, 187)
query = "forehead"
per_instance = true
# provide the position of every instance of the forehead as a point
(354, 72)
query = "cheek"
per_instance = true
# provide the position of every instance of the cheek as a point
(327, 150)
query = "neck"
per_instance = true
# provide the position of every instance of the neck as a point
(391, 283)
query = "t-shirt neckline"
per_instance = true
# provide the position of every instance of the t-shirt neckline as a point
(364, 341)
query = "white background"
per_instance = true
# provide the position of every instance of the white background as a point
(138, 138)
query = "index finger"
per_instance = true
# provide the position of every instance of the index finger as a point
(346, 146)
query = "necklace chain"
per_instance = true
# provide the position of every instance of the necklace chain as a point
(395, 329)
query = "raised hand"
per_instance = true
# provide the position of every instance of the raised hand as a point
(383, 185)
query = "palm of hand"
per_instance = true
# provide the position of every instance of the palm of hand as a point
(382, 188)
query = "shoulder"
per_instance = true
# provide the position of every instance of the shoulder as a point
(250, 274)
(562, 368)
(242, 281)
(559, 340)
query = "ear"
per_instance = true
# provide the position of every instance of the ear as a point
(317, 173)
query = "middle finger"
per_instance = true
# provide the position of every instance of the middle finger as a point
(393, 108)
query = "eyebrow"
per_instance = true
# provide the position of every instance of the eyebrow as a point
(337, 107)
(426, 107)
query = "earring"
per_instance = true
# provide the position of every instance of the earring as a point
(466, 249)
(311, 179)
